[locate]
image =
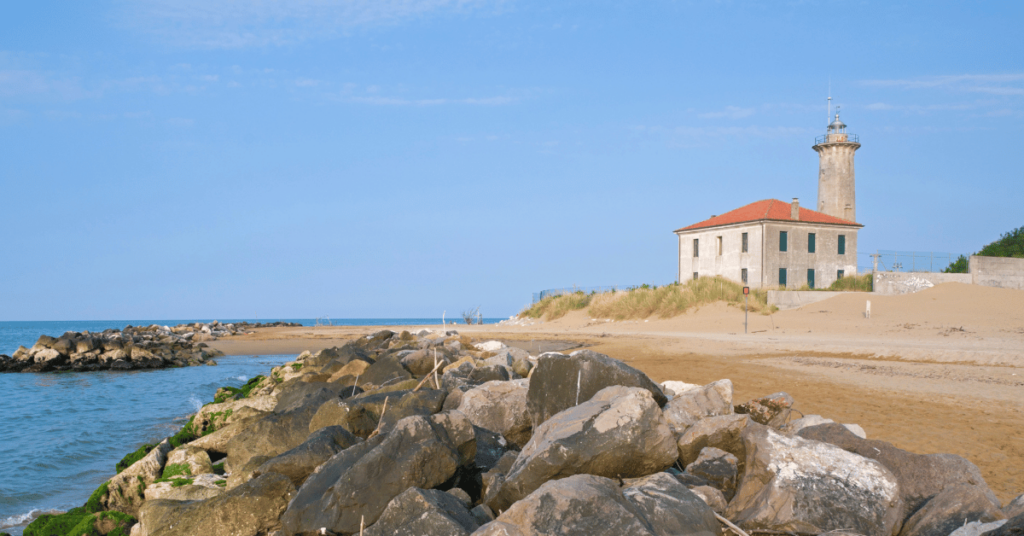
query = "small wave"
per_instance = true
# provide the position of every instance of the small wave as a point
(241, 378)
(25, 519)
(195, 402)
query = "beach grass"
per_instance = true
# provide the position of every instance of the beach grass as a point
(650, 301)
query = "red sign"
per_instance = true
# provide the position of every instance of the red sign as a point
(746, 290)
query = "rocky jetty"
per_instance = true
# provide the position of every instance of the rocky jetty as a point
(429, 434)
(126, 349)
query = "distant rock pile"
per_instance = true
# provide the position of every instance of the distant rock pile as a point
(127, 349)
(429, 434)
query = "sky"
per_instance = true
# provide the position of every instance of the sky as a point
(407, 158)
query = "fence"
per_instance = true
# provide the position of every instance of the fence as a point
(913, 261)
(538, 296)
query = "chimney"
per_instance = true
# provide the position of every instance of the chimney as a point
(794, 211)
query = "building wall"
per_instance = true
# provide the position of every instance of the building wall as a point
(826, 260)
(1003, 272)
(732, 260)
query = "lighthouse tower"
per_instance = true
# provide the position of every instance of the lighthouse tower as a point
(836, 190)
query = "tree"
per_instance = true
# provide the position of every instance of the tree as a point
(958, 266)
(1010, 244)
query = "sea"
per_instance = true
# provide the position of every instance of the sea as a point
(61, 434)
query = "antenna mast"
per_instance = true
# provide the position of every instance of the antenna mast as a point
(828, 115)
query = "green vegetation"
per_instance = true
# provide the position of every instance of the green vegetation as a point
(81, 521)
(224, 393)
(250, 385)
(130, 459)
(221, 483)
(296, 366)
(646, 300)
(854, 283)
(1010, 244)
(187, 434)
(218, 468)
(172, 470)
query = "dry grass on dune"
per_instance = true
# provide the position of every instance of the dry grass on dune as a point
(643, 302)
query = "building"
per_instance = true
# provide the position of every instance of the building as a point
(772, 243)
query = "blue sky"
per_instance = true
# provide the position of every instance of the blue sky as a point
(400, 158)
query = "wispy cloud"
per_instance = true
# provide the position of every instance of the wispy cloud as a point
(245, 23)
(393, 101)
(33, 83)
(731, 112)
(993, 84)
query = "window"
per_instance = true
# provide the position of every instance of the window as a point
(810, 276)
(694, 276)
(743, 275)
(696, 247)
(842, 244)
(719, 246)
(782, 277)
(783, 240)
(839, 274)
(810, 242)
(744, 250)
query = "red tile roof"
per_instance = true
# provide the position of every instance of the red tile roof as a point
(768, 209)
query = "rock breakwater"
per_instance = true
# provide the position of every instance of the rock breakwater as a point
(431, 434)
(126, 349)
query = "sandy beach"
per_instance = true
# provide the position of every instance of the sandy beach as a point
(941, 370)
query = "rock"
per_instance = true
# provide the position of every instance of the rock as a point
(462, 496)
(359, 482)
(388, 369)
(492, 479)
(214, 416)
(482, 514)
(490, 447)
(353, 369)
(489, 346)
(362, 414)
(976, 528)
(197, 460)
(562, 381)
(245, 473)
(772, 410)
(1013, 527)
(269, 435)
(719, 432)
(217, 442)
(300, 461)
(299, 394)
(713, 497)
(1015, 507)
(952, 508)
(421, 362)
(424, 512)
(126, 491)
(500, 407)
(203, 487)
(717, 467)
(920, 476)
(596, 506)
(619, 432)
(794, 484)
(491, 373)
(252, 508)
(688, 407)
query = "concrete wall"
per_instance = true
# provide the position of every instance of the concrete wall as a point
(826, 260)
(732, 260)
(892, 283)
(791, 299)
(1002, 272)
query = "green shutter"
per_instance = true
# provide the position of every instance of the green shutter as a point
(783, 240)
(842, 244)
(810, 276)
(810, 243)
(782, 277)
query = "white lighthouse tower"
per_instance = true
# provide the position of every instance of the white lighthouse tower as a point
(836, 187)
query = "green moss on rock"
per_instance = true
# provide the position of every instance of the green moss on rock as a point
(130, 459)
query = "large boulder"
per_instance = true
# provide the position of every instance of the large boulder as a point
(619, 432)
(720, 432)
(794, 484)
(361, 414)
(500, 407)
(1015, 507)
(205, 486)
(596, 506)
(126, 491)
(718, 467)
(952, 508)
(300, 461)
(214, 416)
(772, 410)
(298, 394)
(196, 459)
(386, 370)
(1013, 527)
(562, 381)
(269, 435)
(920, 476)
(424, 512)
(252, 508)
(692, 405)
(358, 483)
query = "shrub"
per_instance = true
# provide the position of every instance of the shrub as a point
(959, 266)
(854, 283)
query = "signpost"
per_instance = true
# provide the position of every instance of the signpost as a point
(746, 292)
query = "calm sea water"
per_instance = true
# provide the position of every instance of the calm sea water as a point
(62, 433)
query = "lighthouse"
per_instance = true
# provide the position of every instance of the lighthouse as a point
(836, 187)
